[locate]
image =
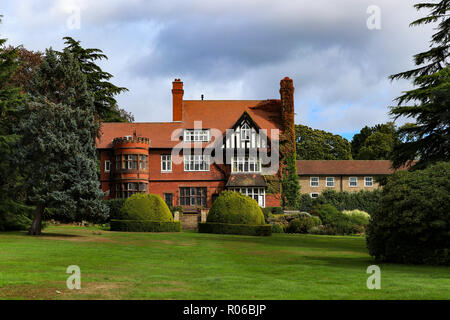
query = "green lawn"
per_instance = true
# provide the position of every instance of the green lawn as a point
(190, 265)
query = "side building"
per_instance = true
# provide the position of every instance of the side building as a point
(317, 176)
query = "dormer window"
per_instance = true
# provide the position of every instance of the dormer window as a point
(246, 132)
(197, 135)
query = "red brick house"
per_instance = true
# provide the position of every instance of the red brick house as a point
(140, 157)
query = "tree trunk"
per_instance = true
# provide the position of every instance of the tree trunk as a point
(36, 226)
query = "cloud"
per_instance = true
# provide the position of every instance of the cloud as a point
(239, 49)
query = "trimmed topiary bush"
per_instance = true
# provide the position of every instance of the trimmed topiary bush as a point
(235, 208)
(145, 213)
(234, 213)
(144, 206)
(413, 222)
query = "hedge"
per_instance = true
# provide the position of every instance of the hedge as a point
(367, 201)
(145, 226)
(240, 229)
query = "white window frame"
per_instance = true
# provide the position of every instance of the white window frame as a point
(371, 182)
(311, 182)
(107, 165)
(191, 161)
(246, 132)
(332, 181)
(239, 165)
(197, 135)
(167, 160)
(314, 193)
(350, 182)
(260, 194)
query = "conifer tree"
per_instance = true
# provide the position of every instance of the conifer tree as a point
(57, 150)
(429, 103)
(10, 99)
(98, 83)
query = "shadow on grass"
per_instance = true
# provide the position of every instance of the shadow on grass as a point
(59, 235)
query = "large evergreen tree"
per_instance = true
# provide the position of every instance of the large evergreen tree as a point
(429, 103)
(57, 150)
(98, 83)
(10, 99)
(313, 144)
(375, 143)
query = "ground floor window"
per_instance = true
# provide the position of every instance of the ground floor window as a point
(125, 190)
(259, 194)
(193, 196)
(168, 198)
(314, 195)
(368, 181)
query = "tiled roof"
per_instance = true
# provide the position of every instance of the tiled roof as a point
(246, 180)
(344, 167)
(218, 114)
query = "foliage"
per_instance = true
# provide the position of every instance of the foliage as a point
(367, 201)
(267, 214)
(235, 208)
(337, 223)
(15, 216)
(313, 144)
(145, 226)
(277, 228)
(429, 103)
(270, 211)
(57, 149)
(10, 100)
(29, 62)
(358, 217)
(413, 223)
(115, 205)
(175, 209)
(273, 184)
(144, 206)
(302, 225)
(290, 185)
(230, 228)
(98, 82)
(375, 143)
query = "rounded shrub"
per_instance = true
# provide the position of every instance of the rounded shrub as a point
(235, 208)
(301, 225)
(412, 225)
(143, 206)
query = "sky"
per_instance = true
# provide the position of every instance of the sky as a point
(339, 53)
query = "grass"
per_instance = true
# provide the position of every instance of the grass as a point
(189, 265)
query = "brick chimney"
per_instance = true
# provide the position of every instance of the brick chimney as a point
(287, 111)
(287, 101)
(177, 100)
